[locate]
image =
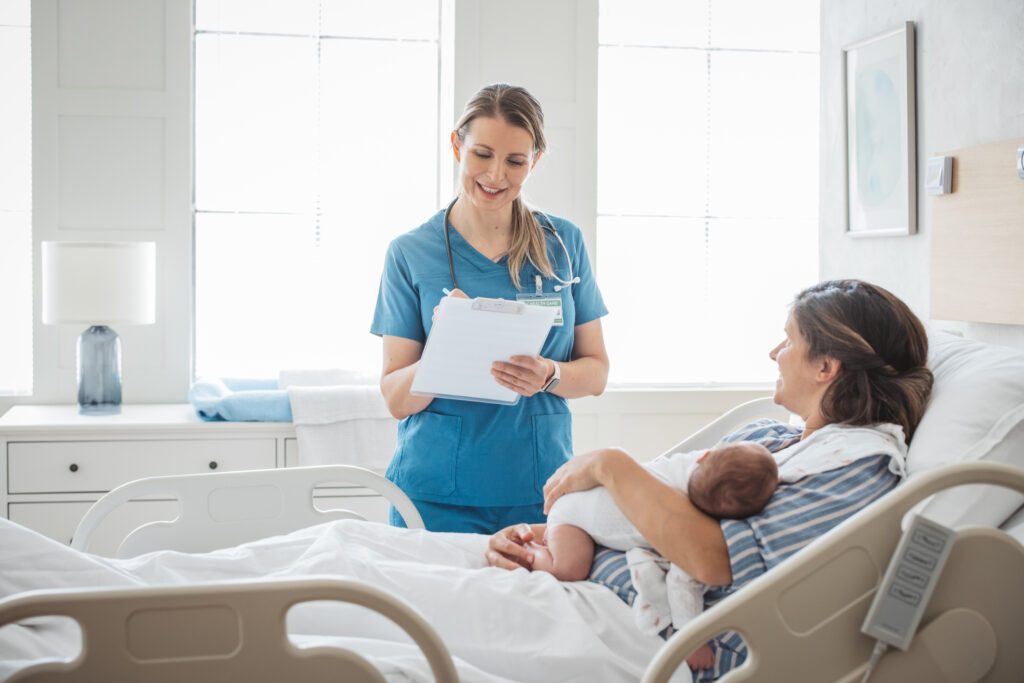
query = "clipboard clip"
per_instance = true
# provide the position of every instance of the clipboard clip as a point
(497, 305)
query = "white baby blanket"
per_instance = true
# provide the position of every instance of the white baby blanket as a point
(838, 445)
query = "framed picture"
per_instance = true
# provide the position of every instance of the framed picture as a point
(881, 168)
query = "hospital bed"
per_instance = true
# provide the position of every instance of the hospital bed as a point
(801, 621)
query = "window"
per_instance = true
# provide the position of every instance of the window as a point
(707, 183)
(15, 199)
(316, 143)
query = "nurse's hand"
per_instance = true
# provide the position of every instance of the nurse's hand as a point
(579, 473)
(507, 548)
(456, 293)
(524, 375)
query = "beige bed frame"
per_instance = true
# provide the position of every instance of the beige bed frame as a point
(212, 632)
(801, 621)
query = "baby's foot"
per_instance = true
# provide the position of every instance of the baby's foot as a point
(702, 658)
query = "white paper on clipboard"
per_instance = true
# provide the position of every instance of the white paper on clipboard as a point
(468, 336)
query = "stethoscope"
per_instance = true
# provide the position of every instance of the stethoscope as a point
(550, 227)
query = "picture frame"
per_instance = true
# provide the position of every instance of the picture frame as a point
(881, 151)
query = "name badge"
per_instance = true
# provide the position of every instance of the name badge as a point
(548, 299)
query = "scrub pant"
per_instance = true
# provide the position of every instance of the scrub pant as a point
(471, 519)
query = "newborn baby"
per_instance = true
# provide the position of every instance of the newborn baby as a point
(732, 480)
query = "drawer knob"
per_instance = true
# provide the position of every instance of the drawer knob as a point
(74, 467)
(213, 464)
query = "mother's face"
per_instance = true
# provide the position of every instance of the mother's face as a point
(802, 382)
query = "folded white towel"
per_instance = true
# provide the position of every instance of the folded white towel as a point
(308, 377)
(327, 404)
(340, 418)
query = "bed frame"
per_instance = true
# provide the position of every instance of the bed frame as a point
(801, 621)
(212, 632)
(221, 509)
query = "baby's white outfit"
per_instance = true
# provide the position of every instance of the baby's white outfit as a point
(667, 594)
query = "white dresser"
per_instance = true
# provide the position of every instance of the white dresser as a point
(56, 463)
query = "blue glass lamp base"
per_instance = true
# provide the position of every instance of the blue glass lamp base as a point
(99, 371)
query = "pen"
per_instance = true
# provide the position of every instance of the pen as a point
(447, 292)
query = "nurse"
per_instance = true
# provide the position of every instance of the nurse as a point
(471, 466)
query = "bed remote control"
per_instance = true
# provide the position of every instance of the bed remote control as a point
(908, 582)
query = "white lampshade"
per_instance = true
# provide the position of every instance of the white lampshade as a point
(99, 283)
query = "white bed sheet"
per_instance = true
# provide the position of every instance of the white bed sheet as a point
(498, 625)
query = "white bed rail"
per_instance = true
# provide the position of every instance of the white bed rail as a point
(729, 422)
(801, 621)
(221, 509)
(213, 632)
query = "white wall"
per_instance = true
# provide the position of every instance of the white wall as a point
(549, 48)
(112, 160)
(970, 71)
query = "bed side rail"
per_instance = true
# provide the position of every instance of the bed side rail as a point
(729, 422)
(221, 509)
(213, 631)
(801, 621)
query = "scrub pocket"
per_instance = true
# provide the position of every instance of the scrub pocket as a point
(552, 445)
(424, 464)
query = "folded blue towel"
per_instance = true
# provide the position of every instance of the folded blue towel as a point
(240, 400)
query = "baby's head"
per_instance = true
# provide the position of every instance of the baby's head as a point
(734, 480)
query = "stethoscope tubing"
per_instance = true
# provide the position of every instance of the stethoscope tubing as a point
(550, 227)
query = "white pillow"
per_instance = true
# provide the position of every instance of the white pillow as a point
(976, 412)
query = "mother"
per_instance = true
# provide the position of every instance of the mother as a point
(854, 354)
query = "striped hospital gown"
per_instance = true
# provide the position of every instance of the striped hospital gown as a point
(797, 514)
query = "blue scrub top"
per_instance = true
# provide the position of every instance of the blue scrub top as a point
(464, 452)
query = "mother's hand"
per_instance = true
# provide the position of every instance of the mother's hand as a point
(580, 473)
(507, 548)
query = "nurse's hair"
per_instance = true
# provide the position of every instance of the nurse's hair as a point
(881, 347)
(517, 107)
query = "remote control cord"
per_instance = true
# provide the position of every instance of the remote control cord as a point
(880, 649)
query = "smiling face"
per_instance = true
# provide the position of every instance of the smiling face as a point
(495, 159)
(802, 381)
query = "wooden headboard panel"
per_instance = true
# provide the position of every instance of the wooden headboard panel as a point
(977, 268)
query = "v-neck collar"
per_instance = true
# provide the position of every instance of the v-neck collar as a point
(467, 252)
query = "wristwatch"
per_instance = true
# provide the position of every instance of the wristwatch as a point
(556, 377)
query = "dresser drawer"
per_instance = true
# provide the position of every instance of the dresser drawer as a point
(97, 466)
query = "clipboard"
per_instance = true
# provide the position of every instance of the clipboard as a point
(467, 337)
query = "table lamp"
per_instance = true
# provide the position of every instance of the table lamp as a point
(99, 284)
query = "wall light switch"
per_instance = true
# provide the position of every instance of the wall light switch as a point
(939, 175)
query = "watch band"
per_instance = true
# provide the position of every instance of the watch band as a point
(556, 377)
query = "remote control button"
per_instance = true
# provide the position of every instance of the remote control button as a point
(919, 558)
(904, 594)
(932, 541)
(912, 576)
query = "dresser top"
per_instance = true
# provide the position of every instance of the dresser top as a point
(178, 417)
